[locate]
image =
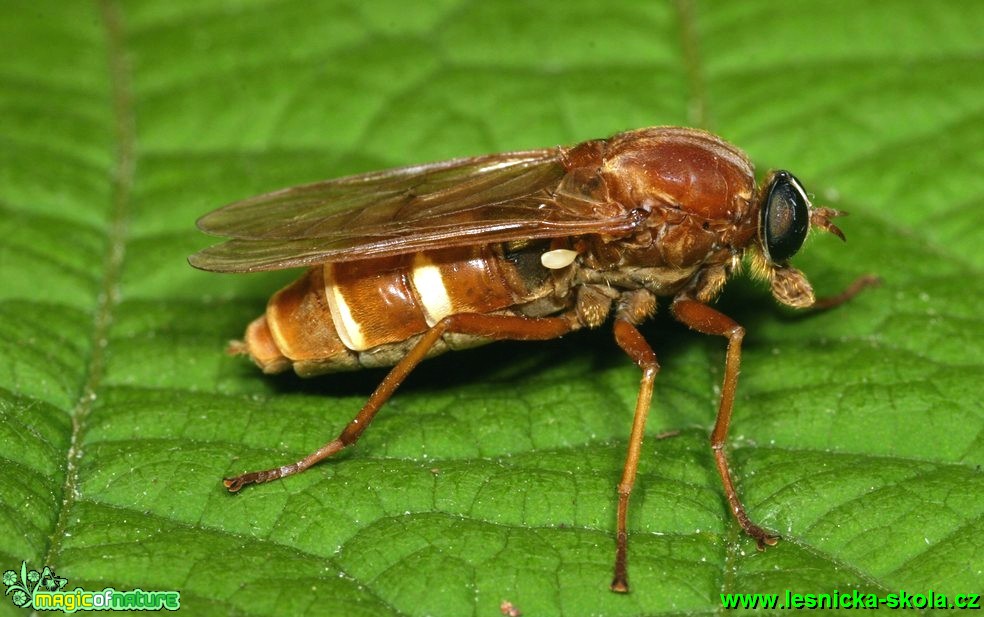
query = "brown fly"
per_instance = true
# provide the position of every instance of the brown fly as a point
(411, 262)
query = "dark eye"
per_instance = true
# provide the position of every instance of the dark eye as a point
(785, 217)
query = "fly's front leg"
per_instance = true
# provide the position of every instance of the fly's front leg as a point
(496, 327)
(706, 320)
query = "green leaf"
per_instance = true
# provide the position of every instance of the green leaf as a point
(858, 433)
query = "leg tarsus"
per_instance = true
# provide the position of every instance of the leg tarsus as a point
(259, 477)
(620, 582)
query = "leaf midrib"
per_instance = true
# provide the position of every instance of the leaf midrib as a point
(121, 184)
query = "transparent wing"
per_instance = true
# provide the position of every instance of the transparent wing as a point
(493, 198)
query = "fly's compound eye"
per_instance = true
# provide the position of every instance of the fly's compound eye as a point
(785, 217)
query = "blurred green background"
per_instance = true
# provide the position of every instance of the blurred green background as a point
(858, 434)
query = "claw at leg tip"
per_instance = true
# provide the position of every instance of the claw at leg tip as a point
(766, 541)
(620, 586)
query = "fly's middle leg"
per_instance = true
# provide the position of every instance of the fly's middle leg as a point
(632, 342)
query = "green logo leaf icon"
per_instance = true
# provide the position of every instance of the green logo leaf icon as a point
(21, 587)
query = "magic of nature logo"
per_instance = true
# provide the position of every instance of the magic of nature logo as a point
(43, 590)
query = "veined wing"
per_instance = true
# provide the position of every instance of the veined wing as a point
(493, 198)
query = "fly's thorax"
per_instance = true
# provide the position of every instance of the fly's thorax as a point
(671, 239)
(695, 194)
(679, 240)
(689, 170)
(660, 281)
(677, 252)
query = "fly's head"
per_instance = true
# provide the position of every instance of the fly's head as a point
(785, 218)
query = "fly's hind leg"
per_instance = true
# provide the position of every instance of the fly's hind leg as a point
(496, 327)
(706, 320)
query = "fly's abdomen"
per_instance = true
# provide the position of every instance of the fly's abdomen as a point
(349, 315)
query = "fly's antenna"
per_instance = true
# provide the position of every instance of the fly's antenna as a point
(820, 217)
